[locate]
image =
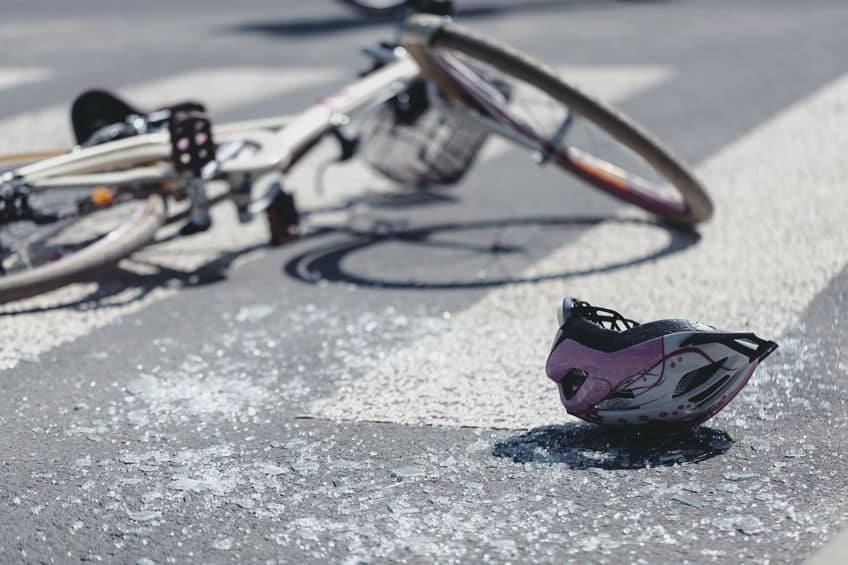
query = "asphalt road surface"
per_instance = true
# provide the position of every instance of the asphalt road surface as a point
(375, 391)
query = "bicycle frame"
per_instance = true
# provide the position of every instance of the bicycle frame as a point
(280, 140)
(457, 70)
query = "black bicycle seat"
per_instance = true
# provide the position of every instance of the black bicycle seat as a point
(96, 109)
(435, 7)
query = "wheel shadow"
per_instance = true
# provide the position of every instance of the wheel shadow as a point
(137, 286)
(584, 446)
(349, 20)
(120, 287)
(326, 262)
(115, 282)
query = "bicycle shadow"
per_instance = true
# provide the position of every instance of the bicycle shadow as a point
(325, 263)
(354, 22)
(116, 281)
(137, 286)
(583, 446)
(119, 287)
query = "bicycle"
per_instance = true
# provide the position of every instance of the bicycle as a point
(431, 101)
(376, 8)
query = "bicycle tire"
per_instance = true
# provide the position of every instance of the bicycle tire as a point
(438, 33)
(379, 9)
(89, 260)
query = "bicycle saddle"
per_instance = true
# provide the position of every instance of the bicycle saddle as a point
(95, 109)
(435, 7)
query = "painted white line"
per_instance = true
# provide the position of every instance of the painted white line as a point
(834, 553)
(31, 334)
(219, 89)
(11, 77)
(778, 237)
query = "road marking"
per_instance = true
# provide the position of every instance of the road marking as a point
(28, 335)
(11, 77)
(219, 89)
(778, 238)
(834, 553)
(31, 334)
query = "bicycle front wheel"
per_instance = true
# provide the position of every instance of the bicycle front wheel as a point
(73, 244)
(377, 8)
(529, 104)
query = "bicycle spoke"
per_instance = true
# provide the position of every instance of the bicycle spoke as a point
(563, 137)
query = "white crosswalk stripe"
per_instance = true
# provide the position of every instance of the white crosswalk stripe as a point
(778, 237)
(11, 77)
(219, 89)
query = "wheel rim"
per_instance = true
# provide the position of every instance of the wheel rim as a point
(378, 5)
(381, 5)
(26, 246)
(583, 149)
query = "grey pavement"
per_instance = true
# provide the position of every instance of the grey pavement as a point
(181, 424)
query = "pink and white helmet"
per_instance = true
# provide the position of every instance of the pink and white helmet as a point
(614, 371)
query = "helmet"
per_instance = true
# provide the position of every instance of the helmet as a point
(614, 371)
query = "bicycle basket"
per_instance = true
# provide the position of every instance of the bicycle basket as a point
(413, 142)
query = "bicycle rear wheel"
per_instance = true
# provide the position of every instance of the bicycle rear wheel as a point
(376, 8)
(36, 257)
(566, 127)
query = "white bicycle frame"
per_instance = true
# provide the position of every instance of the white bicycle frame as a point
(278, 141)
(146, 158)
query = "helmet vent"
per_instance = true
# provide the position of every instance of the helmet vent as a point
(703, 397)
(572, 382)
(614, 404)
(693, 379)
(603, 317)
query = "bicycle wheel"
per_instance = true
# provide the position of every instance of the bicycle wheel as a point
(76, 241)
(376, 8)
(568, 128)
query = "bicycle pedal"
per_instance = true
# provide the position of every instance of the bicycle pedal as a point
(192, 145)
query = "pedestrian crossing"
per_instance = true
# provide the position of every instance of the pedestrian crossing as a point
(150, 415)
(755, 182)
(45, 324)
(221, 89)
(15, 77)
(777, 239)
